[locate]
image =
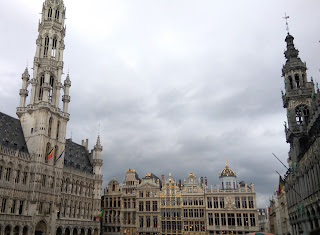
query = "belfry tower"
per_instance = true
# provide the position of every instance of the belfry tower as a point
(43, 122)
(299, 93)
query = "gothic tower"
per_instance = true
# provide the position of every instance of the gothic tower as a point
(43, 122)
(299, 93)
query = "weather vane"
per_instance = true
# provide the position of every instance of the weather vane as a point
(286, 18)
(226, 159)
(99, 129)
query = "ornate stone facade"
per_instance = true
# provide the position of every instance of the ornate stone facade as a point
(48, 185)
(231, 208)
(169, 208)
(278, 214)
(302, 181)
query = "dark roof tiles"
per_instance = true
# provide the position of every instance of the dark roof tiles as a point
(11, 133)
(77, 156)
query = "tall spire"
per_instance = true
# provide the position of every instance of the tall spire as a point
(43, 122)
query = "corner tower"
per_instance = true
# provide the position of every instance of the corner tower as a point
(299, 93)
(43, 122)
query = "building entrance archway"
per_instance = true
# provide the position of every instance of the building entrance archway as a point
(41, 228)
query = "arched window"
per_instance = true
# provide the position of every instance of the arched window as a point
(41, 89)
(290, 82)
(48, 149)
(296, 78)
(56, 17)
(58, 129)
(302, 114)
(49, 13)
(54, 47)
(50, 127)
(46, 46)
(51, 88)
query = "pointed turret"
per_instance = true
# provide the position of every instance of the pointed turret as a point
(97, 162)
(66, 96)
(23, 91)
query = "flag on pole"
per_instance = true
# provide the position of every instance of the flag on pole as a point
(50, 154)
(281, 184)
(100, 215)
(60, 155)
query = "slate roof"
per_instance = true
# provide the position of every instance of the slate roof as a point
(11, 133)
(77, 156)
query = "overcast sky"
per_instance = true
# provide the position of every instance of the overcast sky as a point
(177, 86)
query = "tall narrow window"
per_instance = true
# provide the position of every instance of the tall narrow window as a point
(290, 82)
(244, 202)
(221, 202)
(296, 78)
(51, 88)
(49, 13)
(223, 219)
(252, 219)
(46, 46)
(3, 205)
(56, 17)
(56, 149)
(210, 219)
(245, 219)
(239, 219)
(8, 173)
(231, 219)
(50, 127)
(41, 88)
(54, 47)
(21, 207)
(13, 207)
(237, 202)
(17, 179)
(58, 130)
(250, 199)
(24, 179)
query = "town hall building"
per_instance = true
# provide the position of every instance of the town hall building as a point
(48, 184)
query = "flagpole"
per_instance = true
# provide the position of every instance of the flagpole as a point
(290, 187)
(281, 162)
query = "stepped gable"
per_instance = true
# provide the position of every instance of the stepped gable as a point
(11, 133)
(77, 156)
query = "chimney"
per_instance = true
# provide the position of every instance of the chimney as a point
(205, 180)
(85, 143)
(162, 179)
(179, 184)
(201, 180)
